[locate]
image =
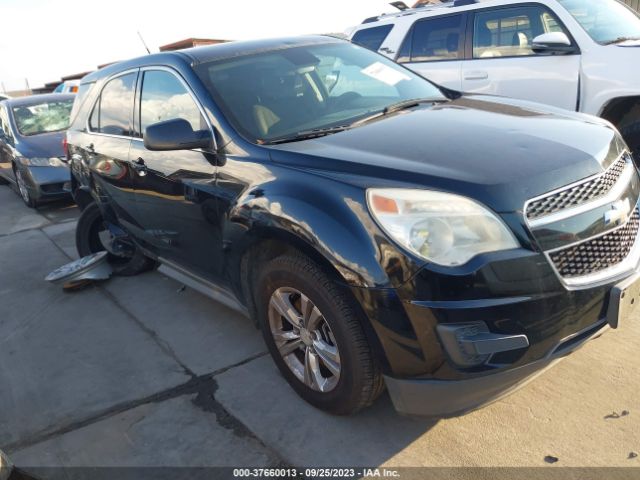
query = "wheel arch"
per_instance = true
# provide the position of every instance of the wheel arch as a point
(270, 243)
(621, 111)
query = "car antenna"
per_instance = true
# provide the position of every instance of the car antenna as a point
(144, 43)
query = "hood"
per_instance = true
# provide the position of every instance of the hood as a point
(43, 145)
(501, 152)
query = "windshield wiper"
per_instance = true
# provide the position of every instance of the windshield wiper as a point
(308, 134)
(397, 107)
(621, 39)
(321, 132)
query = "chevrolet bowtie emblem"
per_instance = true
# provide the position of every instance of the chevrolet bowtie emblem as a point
(619, 213)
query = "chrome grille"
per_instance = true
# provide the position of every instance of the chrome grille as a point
(582, 193)
(598, 253)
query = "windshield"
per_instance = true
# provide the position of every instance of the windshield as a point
(43, 117)
(606, 21)
(274, 94)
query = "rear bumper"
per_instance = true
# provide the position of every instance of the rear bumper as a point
(447, 398)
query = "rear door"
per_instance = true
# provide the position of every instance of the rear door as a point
(175, 190)
(503, 62)
(434, 48)
(104, 149)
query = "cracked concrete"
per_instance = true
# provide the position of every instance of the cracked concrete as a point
(140, 372)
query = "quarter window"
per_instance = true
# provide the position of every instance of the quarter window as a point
(510, 32)
(372, 38)
(434, 40)
(164, 97)
(113, 112)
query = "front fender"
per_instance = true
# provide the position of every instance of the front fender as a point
(323, 215)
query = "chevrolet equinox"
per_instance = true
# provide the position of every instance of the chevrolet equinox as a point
(379, 229)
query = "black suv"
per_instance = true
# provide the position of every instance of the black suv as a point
(379, 229)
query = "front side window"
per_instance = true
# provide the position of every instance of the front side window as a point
(112, 113)
(164, 97)
(45, 117)
(4, 124)
(509, 32)
(606, 21)
(372, 38)
(276, 94)
(433, 40)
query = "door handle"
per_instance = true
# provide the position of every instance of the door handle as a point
(476, 75)
(89, 148)
(139, 167)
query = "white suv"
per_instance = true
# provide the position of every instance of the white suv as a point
(579, 55)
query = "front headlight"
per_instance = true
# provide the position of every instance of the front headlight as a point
(440, 227)
(41, 162)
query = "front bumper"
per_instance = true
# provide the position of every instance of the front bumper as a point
(447, 398)
(48, 183)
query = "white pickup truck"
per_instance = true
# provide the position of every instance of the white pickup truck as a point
(581, 55)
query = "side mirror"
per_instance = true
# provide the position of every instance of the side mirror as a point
(555, 43)
(176, 134)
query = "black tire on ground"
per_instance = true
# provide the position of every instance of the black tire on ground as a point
(631, 135)
(90, 224)
(360, 381)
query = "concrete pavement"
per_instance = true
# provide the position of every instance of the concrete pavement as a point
(139, 372)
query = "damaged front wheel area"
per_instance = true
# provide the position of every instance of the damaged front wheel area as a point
(93, 235)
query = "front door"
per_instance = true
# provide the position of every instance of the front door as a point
(503, 62)
(176, 206)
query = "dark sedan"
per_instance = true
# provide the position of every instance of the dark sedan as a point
(32, 131)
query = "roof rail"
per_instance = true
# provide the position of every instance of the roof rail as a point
(427, 6)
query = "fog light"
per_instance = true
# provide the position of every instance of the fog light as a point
(472, 344)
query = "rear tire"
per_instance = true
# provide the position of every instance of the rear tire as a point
(88, 241)
(327, 359)
(631, 135)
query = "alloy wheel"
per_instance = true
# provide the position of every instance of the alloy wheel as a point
(22, 187)
(304, 339)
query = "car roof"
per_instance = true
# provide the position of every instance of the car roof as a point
(37, 99)
(209, 53)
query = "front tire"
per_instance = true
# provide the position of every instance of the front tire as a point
(23, 189)
(92, 236)
(315, 337)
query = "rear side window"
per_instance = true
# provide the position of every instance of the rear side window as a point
(372, 38)
(164, 97)
(510, 32)
(112, 113)
(81, 96)
(434, 40)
